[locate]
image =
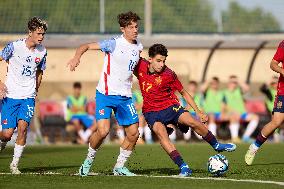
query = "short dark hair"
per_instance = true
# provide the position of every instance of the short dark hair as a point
(125, 19)
(35, 23)
(216, 79)
(192, 82)
(77, 85)
(233, 77)
(157, 49)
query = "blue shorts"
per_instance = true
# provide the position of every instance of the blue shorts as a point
(123, 108)
(278, 104)
(85, 119)
(14, 110)
(167, 116)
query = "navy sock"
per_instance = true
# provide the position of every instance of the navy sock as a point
(176, 157)
(260, 139)
(211, 139)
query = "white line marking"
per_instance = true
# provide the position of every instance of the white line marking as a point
(172, 176)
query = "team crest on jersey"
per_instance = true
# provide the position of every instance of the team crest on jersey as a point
(5, 122)
(279, 104)
(158, 80)
(29, 59)
(102, 112)
(37, 60)
(141, 74)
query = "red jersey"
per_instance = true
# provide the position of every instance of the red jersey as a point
(157, 88)
(279, 57)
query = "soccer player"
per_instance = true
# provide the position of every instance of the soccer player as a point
(114, 90)
(26, 60)
(161, 107)
(278, 110)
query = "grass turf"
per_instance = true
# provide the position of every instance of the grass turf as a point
(146, 160)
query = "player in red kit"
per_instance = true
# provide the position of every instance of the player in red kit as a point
(161, 107)
(278, 110)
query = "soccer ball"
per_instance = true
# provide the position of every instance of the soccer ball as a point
(218, 165)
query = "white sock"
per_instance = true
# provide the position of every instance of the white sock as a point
(234, 129)
(81, 133)
(18, 150)
(141, 131)
(122, 158)
(250, 128)
(91, 154)
(213, 128)
(187, 135)
(173, 136)
(87, 134)
(253, 147)
(120, 133)
(148, 133)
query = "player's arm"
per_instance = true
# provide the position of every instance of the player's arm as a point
(75, 61)
(5, 54)
(190, 101)
(40, 68)
(39, 74)
(106, 46)
(277, 59)
(274, 65)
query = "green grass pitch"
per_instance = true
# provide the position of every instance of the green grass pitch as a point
(150, 161)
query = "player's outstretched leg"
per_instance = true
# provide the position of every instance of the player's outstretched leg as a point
(162, 133)
(126, 149)
(19, 146)
(187, 120)
(96, 140)
(268, 129)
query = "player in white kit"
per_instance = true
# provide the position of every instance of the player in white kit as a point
(26, 60)
(114, 90)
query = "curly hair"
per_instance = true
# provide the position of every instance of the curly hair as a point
(125, 19)
(35, 23)
(157, 49)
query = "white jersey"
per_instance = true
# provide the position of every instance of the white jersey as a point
(22, 66)
(119, 62)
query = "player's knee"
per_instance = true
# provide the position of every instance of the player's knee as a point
(133, 136)
(103, 132)
(7, 136)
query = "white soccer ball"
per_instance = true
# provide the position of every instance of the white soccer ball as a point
(218, 165)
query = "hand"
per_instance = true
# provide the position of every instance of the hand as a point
(203, 117)
(3, 90)
(73, 63)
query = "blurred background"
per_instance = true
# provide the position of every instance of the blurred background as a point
(205, 39)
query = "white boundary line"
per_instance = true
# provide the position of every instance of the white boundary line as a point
(173, 176)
